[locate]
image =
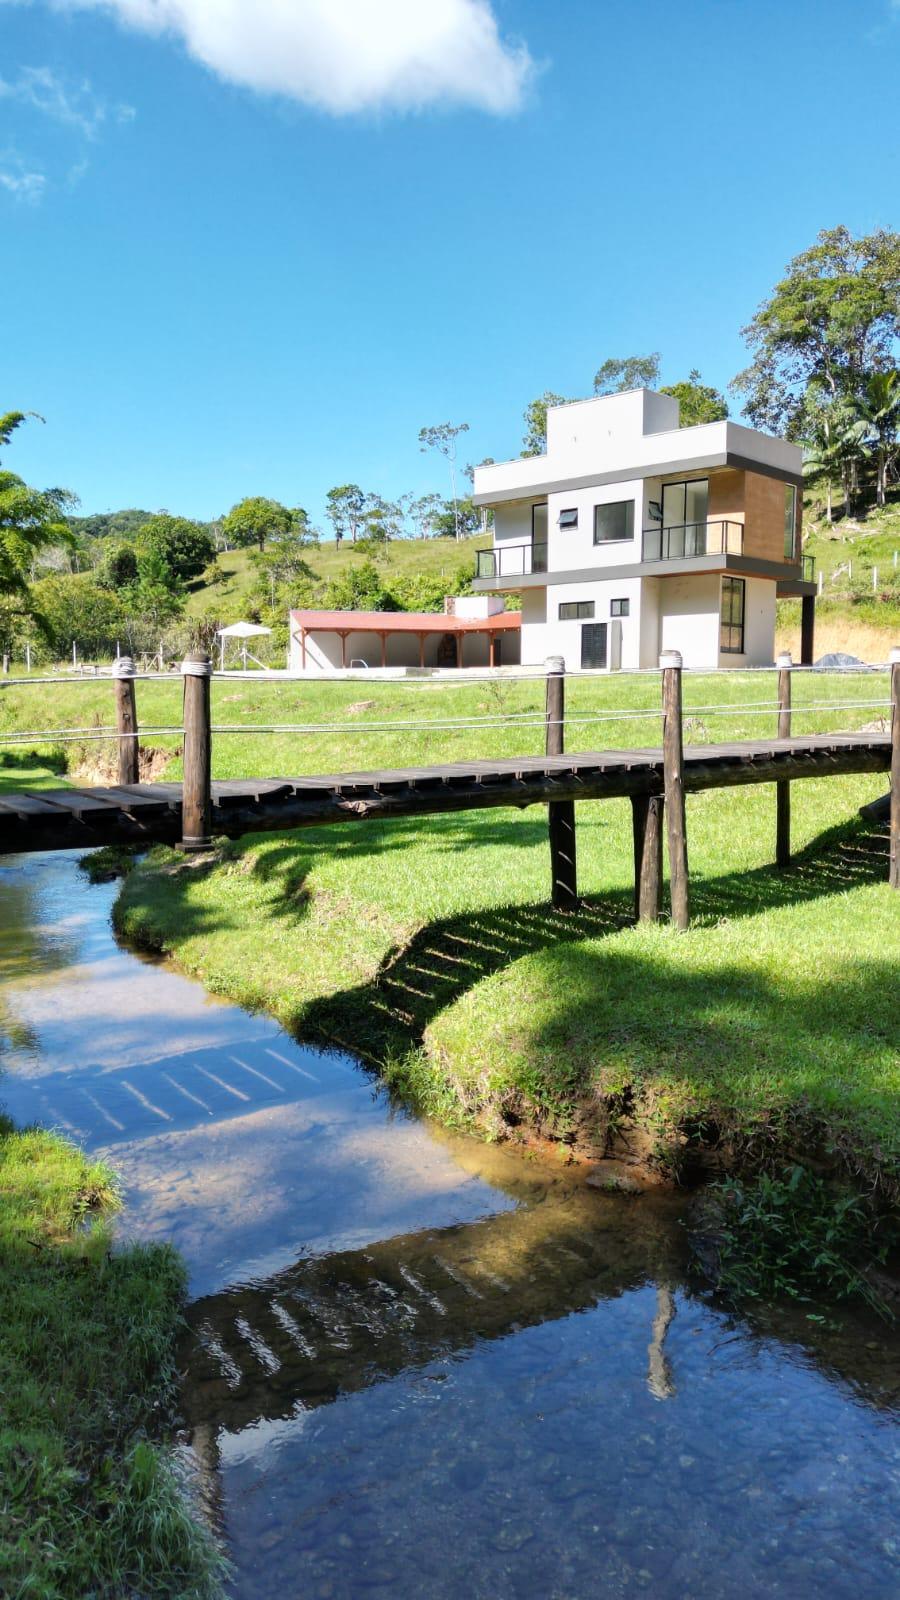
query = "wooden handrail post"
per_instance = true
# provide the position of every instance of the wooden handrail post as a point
(561, 813)
(673, 777)
(894, 871)
(196, 804)
(126, 720)
(783, 788)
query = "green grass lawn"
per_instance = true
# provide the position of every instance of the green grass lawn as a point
(89, 1505)
(429, 945)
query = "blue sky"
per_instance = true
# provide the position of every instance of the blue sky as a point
(253, 253)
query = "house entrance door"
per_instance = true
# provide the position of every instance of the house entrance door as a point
(593, 644)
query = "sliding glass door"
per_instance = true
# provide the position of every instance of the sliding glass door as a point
(684, 512)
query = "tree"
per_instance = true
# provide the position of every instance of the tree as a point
(832, 321)
(442, 437)
(186, 547)
(254, 520)
(461, 520)
(878, 410)
(31, 521)
(359, 589)
(422, 513)
(631, 372)
(344, 508)
(75, 607)
(833, 437)
(157, 595)
(118, 566)
(535, 419)
(697, 402)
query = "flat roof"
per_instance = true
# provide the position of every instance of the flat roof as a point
(403, 622)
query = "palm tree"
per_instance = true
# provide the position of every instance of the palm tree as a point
(878, 410)
(31, 520)
(833, 443)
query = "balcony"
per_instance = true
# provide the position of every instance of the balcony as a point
(808, 564)
(512, 560)
(687, 539)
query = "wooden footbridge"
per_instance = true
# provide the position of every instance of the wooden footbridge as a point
(655, 779)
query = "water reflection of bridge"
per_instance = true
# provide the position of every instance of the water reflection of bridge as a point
(335, 1324)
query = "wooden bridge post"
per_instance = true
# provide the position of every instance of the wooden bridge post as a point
(894, 871)
(196, 807)
(673, 776)
(561, 813)
(647, 830)
(783, 788)
(126, 720)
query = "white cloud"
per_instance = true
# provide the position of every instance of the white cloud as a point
(345, 56)
(18, 180)
(73, 105)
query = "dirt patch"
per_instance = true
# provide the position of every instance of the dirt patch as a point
(103, 767)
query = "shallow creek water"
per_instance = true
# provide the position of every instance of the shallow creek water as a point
(416, 1365)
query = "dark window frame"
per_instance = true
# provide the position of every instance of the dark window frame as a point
(576, 610)
(621, 538)
(572, 513)
(620, 608)
(729, 622)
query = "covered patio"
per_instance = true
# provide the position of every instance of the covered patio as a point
(325, 641)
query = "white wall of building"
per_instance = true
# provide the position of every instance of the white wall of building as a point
(759, 626)
(572, 548)
(545, 634)
(323, 650)
(689, 617)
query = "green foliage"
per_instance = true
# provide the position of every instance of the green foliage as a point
(87, 1371)
(344, 508)
(256, 519)
(157, 596)
(31, 521)
(829, 323)
(697, 402)
(794, 1234)
(118, 566)
(359, 589)
(535, 419)
(464, 515)
(186, 547)
(123, 526)
(615, 376)
(77, 608)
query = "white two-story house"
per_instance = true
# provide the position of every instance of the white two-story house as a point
(632, 535)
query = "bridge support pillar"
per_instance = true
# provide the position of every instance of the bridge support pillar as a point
(561, 813)
(783, 789)
(894, 869)
(126, 721)
(647, 828)
(673, 774)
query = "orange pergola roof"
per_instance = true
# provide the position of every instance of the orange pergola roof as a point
(403, 622)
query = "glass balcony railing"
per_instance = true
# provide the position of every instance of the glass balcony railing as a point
(687, 539)
(512, 560)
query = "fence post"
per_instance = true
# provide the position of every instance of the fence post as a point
(673, 775)
(894, 871)
(783, 788)
(126, 720)
(561, 813)
(196, 806)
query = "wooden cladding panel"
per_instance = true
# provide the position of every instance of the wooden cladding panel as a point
(764, 517)
(726, 495)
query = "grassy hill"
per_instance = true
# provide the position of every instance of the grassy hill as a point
(402, 558)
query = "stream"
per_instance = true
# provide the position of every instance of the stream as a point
(417, 1365)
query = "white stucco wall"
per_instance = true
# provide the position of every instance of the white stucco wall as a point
(759, 626)
(571, 549)
(323, 650)
(689, 617)
(545, 634)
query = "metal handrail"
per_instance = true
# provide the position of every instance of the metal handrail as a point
(683, 540)
(512, 560)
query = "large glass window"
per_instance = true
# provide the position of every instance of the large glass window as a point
(790, 518)
(593, 644)
(614, 522)
(684, 511)
(731, 628)
(539, 537)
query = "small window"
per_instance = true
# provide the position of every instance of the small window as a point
(731, 630)
(569, 519)
(572, 610)
(790, 514)
(614, 522)
(619, 608)
(593, 644)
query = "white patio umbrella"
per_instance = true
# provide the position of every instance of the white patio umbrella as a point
(239, 630)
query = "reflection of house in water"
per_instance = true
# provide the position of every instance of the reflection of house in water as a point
(472, 631)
